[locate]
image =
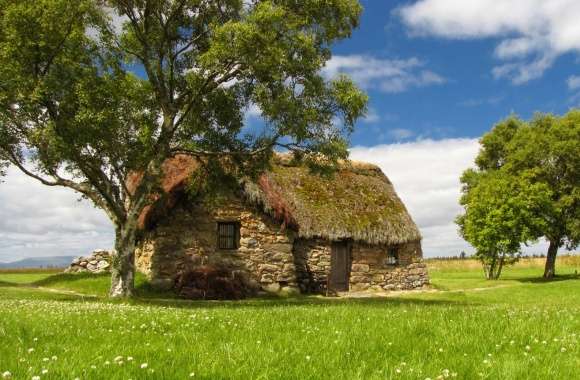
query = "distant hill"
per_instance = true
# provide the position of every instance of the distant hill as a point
(40, 262)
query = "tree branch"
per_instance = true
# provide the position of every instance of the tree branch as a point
(59, 181)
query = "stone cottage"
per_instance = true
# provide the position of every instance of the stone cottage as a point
(291, 230)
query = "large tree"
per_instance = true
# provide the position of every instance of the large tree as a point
(545, 151)
(92, 91)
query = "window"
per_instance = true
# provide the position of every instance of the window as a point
(392, 256)
(228, 235)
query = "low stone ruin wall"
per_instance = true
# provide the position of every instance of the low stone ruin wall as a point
(371, 272)
(97, 262)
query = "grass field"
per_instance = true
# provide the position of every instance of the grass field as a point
(61, 327)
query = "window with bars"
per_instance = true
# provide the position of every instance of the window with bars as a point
(228, 235)
(392, 256)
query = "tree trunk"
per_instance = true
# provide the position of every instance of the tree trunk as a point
(550, 269)
(499, 268)
(490, 270)
(123, 268)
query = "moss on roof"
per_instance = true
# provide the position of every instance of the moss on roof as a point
(358, 202)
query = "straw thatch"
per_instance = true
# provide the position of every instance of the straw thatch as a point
(358, 202)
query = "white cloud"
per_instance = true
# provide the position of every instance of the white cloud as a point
(426, 174)
(401, 133)
(491, 101)
(573, 82)
(36, 220)
(371, 117)
(386, 75)
(116, 23)
(253, 111)
(533, 33)
(574, 85)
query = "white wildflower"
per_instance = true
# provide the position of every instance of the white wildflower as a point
(563, 349)
(6, 375)
(144, 365)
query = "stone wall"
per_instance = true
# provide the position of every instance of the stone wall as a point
(99, 261)
(269, 256)
(370, 270)
(312, 259)
(187, 238)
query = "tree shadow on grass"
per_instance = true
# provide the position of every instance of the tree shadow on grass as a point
(60, 278)
(541, 280)
(5, 284)
(314, 301)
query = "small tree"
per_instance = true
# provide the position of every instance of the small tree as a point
(501, 213)
(544, 151)
(73, 112)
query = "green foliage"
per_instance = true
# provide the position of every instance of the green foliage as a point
(69, 102)
(526, 186)
(501, 212)
(72, 113)
(494, 150)
(547, 151)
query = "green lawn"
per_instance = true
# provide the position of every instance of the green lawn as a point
(519, 328)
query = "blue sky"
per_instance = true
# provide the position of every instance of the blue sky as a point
(439, 73)
(467, 101)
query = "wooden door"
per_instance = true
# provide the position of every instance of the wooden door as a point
(339, 266)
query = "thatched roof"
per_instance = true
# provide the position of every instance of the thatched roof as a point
(358, 202)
